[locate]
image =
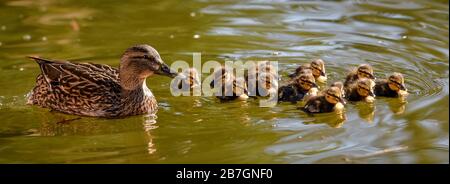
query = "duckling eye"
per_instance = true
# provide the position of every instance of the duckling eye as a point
(146, 56)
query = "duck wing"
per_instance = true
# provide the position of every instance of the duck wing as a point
(76, 85)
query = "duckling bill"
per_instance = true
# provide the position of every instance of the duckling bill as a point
(316, 67)
(100, 90)
(393, 86)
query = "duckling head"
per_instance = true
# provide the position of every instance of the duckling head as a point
(306, 81)
(339, 85)
(333, 95)
(396, 82)
(365, 71)
(364, 88)
(139, 62)
(318, 68)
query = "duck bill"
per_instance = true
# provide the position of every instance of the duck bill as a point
(166, 71)
(372, 77)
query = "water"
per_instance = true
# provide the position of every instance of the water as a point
(410, 37)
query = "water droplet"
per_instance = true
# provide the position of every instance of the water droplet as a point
(196, 36)
(44, 38)
(3, 28)
(26, 37)
(21, 69)
(171, 36)
(404, 37)
(193, 14)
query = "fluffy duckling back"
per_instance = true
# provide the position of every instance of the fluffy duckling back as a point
(317, 68)
(302, 86)
(364, 71)
(330, 100)
(230, 87)
(394, 86)
(362, 90)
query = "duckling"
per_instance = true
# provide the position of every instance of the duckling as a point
(394, 86)
(331, 100)
(362, 90)
(266, 78)
(98, 90)
(231, 87)
(303, 86)
(363, 71)
(190, 78)
(317, 67)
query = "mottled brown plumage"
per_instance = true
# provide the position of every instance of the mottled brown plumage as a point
(99, 90)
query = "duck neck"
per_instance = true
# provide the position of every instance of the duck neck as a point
(136, 94)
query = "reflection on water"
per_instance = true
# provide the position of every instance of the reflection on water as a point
(410, 37)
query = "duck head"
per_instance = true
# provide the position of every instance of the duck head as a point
(318, 68)
(364, 88)
(333, 95)
(365, 71)
(306, 81)
(139, 62)
(396, 82)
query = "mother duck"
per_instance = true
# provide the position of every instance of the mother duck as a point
(99, 90)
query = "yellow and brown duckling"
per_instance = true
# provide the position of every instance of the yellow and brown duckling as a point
(330, 100)
(301, 87)
(363, 71)
(99, 90)
(317, 67)
(362, 90)
(393, 86)
(230, 87)
(189, 79)
(339, 85)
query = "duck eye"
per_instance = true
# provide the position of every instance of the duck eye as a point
(146, 56)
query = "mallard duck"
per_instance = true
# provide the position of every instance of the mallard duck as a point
(230, 87)
(317, 67)
(189, 79)
(331, 100)
(262, 80)
(99, 90)
(303, 86)
(362, 90)
(394, 86)
(363, 71)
